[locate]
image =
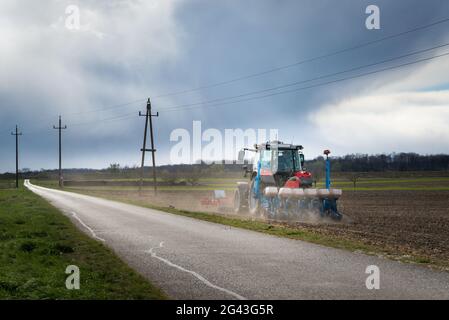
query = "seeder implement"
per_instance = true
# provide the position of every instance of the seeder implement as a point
(280, 188)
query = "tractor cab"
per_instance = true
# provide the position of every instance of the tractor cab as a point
(279, 163)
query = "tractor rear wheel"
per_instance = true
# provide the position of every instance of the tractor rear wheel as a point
(239, 201)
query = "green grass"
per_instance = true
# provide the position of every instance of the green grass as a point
(37, 243)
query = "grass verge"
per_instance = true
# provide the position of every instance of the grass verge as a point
(37, 243)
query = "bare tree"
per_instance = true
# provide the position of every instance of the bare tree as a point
(114, 167)
(354, 177)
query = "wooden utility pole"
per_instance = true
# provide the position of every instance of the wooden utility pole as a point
(60, 128)
(17, 134)
(148, 118)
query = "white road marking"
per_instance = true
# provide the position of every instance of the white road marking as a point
(198, 276)
(87, 227)
(30, 186)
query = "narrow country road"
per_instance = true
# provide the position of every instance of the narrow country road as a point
(193, 259)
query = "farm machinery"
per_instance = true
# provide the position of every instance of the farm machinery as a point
(279, 187)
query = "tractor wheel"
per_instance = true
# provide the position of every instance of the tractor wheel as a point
(239, 201)
(253, 203)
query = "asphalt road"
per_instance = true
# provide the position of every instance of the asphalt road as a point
(193, 259)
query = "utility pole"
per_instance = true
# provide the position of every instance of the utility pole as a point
(60, 128)
(17, 134)
(148, 118)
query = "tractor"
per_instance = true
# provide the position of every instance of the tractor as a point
(280, 188)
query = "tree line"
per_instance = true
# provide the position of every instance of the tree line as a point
(395, 162)
(386, 162)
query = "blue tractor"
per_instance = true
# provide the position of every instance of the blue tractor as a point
(279, 187)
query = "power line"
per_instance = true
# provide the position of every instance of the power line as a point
(111, 119)
(273, 88)
(107, 108)
(98, 110)
(333, 53)
(198, 105)
(205, 103)
(312, 79)
(312, 86)
(361, 45)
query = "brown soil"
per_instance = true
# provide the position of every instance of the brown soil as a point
(413, 222)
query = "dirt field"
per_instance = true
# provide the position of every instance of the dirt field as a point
(405, 222)
(414, 222)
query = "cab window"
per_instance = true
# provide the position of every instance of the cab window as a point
(265, 159)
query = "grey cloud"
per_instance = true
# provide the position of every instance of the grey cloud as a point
(150, 48)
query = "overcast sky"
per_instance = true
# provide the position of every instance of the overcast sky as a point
(99, 76)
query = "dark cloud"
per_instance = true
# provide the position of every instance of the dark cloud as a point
(129, 50)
